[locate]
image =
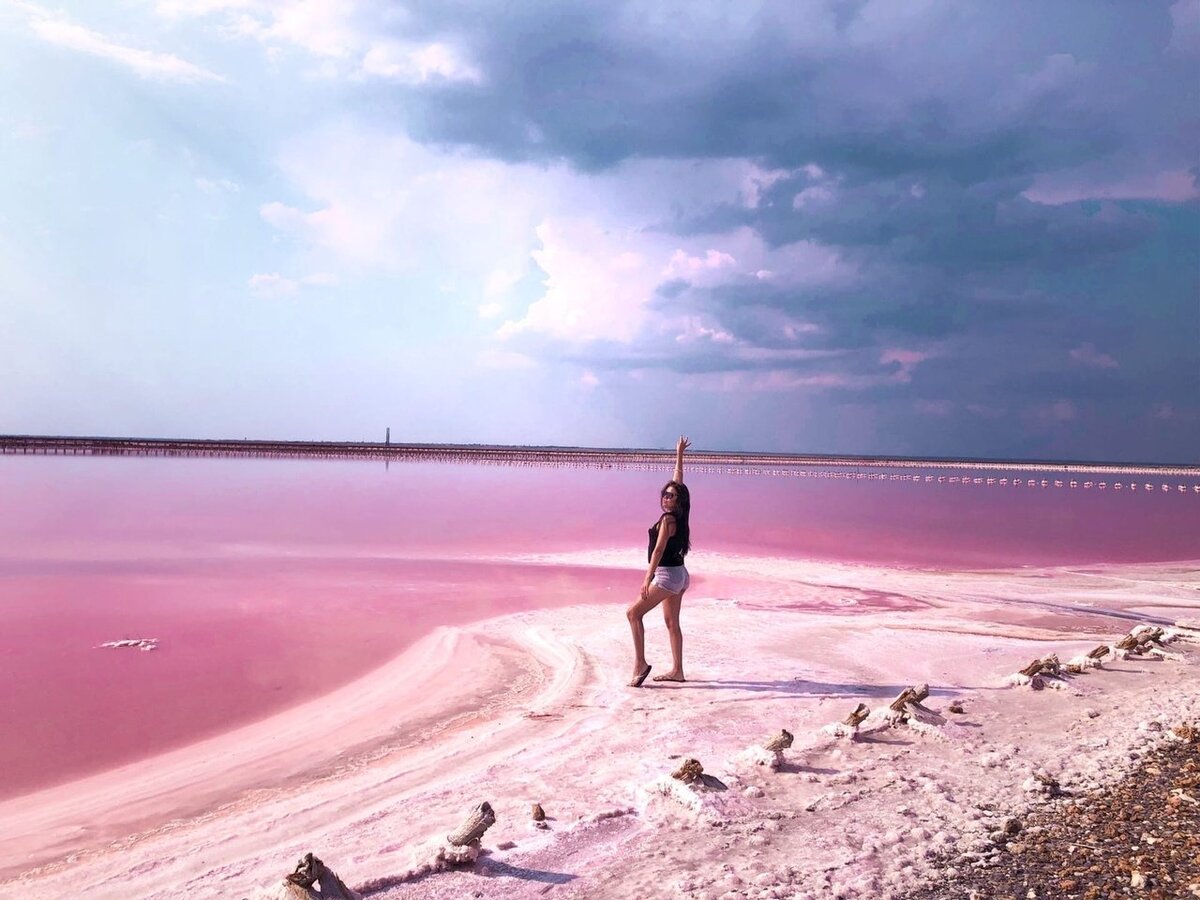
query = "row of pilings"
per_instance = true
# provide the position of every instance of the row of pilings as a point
(1107, 475)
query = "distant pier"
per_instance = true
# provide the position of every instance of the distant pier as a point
(737, 463)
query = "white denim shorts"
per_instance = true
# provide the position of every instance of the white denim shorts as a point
(672, 578)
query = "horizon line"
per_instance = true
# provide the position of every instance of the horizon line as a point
(107, 445)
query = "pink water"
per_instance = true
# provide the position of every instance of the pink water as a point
(268, 582)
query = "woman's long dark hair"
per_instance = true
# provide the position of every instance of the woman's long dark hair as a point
(683, 507)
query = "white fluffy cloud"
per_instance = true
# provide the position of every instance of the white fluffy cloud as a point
(597, 284)
(386, 203)
(352, 38)
(418, 63)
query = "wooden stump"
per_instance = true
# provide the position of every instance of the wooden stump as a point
(693, 774)
(1050, 666)
(908, 705)
(909, 695)
(779, 742)
(480, 820)
(309, 871)
(689, 772)
(1034, 668)
(1128, 643)
(1099, 652)
(539, 814)
(857, 717)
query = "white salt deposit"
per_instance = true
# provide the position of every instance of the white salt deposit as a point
(139, 643)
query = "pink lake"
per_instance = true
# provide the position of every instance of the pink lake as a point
(270, 582)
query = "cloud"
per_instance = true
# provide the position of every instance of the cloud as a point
(1070, 187)
(418, 64)
(386, 203)
(58, 30)
(904, 362)
(217, 185)
(681, 265)
(273, 284)
(828, 206)
(1185, 27)
(350, 38)
(597, 284)
(1088, 355)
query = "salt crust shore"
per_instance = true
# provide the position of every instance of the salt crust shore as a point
(533, 707)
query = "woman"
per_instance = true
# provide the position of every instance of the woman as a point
(666, 577)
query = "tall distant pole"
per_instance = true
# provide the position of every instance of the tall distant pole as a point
(388, 439)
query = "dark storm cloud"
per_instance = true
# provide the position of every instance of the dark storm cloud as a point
(968, 92)
(975, 165)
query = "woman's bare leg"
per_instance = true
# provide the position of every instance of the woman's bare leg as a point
(671, 607)
(634, 614)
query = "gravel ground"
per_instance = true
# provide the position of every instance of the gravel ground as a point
(1138, 838)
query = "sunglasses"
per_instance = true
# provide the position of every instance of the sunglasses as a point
(670, 494)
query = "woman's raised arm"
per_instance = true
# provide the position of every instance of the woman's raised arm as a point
(680, 446)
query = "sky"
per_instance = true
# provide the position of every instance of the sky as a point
(819, 226)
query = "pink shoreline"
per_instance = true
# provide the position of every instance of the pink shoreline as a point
(313, 740)
(221, 665)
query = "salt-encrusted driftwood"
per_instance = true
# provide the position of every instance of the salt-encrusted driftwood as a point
(1146, 640)
(1050, 665)
(480, 820)
(849, 726)
(908, 706)
(857, 717)
(1093, 659)
(909, 695)
(1046, 672)
(459, 848)
(769, 753)
(1154, 640)
(779, 742)
(1129, 643)
(692, 773)
(311, 871)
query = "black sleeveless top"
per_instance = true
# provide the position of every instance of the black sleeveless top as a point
(673, 552)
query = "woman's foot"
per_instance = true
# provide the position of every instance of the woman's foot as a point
(639, 677)
(670, 676)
